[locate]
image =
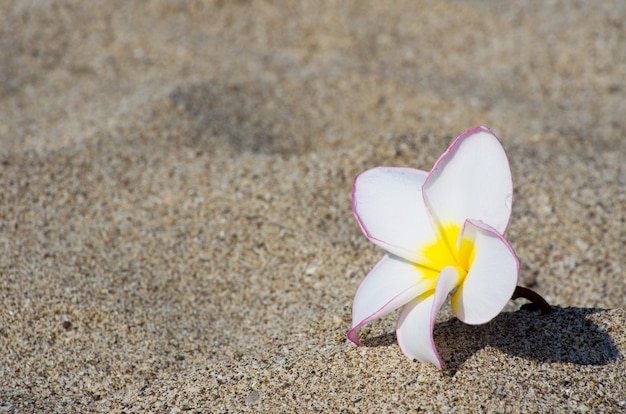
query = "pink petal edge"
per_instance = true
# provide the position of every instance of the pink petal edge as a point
(442, 159)
(412, 291)
(456, 142)
(390, 247)
(486, 227)
(353, 332)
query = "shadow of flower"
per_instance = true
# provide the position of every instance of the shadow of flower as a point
(565, 335)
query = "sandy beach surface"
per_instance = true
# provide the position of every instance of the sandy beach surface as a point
(176, 231)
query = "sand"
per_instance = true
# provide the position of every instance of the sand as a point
(175, 223)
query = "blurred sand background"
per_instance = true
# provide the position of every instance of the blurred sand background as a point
(175, 180)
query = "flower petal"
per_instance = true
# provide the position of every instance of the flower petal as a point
(390, 284)
(388, 204)
(417, 319)
(491, 279)
(472, 179)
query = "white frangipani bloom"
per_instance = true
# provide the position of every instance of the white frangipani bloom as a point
(442, 231)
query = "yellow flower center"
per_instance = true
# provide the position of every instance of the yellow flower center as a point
(443, 253)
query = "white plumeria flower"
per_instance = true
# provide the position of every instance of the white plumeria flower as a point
(443, 233)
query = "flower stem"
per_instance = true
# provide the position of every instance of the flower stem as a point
(534, 297)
